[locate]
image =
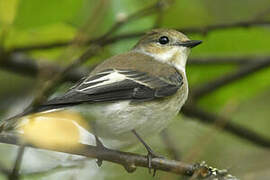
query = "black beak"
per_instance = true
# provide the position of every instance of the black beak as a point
(190, 43)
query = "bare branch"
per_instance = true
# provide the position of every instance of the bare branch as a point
(24, 65)
(14, 175)
(227, 60)
(131, 161)
(244, 71)
(50, 86)
(4, 171)
(132, 17)
(191, 110)
(171, 148)
(137, 15)
(198, 30)
(243, 24)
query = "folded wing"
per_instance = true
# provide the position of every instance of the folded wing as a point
(118, 84)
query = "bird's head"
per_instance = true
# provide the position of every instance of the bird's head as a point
(167, 45)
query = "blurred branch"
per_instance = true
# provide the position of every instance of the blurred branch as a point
(262, 14)
(192, 111)
(156, 7)
(46, 46)
(226, 60)
(14, 175)
(198, 30)
(50, 86)
(244, 24)
(3, 170)
(242, 72)
(21, 64)
(163, 4)
(131, 161)
(171, 148)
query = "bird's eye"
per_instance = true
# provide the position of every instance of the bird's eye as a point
(163, 40)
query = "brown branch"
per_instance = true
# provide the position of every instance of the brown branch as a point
(192, 111)
(243, 72)
(226, 60)
(243, 24)
(171, 148)
(262, 14)
(198, 30)
(130, 161)
(24, 65)
(14, 175)
(46, 46)
(132, 17)
(52, 84)
(4, 170)
(137, 15)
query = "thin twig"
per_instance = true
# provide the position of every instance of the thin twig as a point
(50, 86)
(21, 64)
(16, 168)
(193, 111)
(262, 14)
(209, 28)
(24, 65)
(242, 60)
(163, 5)
(244, 71)
(171, 147)
(130, 161)
(198, 30)
(4, 170)
(132, 17)
(46, 46)
(136, 15)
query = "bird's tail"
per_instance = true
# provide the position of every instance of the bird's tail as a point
(11, 122)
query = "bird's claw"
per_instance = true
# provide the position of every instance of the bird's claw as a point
(151, 155)
(99, 145)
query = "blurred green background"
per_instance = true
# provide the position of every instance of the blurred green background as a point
(246, 101)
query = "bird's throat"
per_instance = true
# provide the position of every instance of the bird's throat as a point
(176, 57)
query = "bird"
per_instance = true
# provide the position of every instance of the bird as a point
(131, 95)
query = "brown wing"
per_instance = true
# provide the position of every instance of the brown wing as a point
(122, 82)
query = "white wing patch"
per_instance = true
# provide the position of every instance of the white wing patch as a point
(109, 77)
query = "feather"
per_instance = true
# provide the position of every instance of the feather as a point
(116, 85)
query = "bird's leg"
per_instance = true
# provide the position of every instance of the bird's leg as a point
(150, 154)
(99, 144)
